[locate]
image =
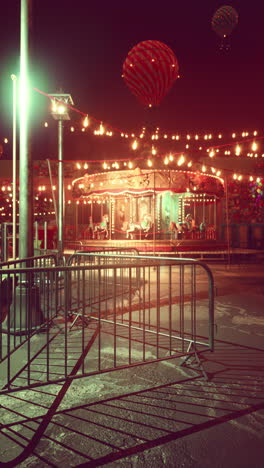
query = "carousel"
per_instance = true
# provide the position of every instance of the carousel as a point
(152, 209)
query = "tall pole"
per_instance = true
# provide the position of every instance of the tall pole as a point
(25, 181)
(60, 189)
(14, 79)
(25, 312)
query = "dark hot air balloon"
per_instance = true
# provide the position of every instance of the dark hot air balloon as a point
(224, 21)
(149, 71)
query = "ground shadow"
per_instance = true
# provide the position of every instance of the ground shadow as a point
(118, 427)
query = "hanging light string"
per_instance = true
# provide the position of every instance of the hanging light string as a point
(155, 135)
(168, 159)
(84, 114)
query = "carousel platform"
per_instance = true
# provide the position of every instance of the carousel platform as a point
(209, 250)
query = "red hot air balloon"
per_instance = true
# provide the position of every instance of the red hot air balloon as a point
(149, 71)
(224, 21)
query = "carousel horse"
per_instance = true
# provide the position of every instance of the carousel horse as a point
(187, 227)
(142, 229)
(132, 230)
(101, 229)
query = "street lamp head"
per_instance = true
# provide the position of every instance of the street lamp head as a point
(60, 103)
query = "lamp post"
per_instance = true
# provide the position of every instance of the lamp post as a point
(25, 313)
(60, 112)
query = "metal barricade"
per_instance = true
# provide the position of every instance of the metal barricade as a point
(22, 287)
(109, 313)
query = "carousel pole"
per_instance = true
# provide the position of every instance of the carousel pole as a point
(110, 218)
(215, 211)
(76, 220)
(154, 215)
(227, 223)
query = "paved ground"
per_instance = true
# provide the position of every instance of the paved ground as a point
(160, 414)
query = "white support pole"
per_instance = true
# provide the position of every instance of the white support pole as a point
(14, 79)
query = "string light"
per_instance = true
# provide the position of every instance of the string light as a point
(237, 150)
(254, 146)
(134, 145)
(58, 107)
(101, 129)
(86, 121)
(181, 160)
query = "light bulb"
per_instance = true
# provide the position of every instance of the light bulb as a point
(86, 121)
(134, 145)
(101, 129)
(238, 150)
(254, 146)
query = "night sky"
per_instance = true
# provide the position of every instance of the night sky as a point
(80, 47)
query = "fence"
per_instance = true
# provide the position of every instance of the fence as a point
(15, 299)
(102, 313)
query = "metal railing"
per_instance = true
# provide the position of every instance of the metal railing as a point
(21, 287)
(102, 313)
